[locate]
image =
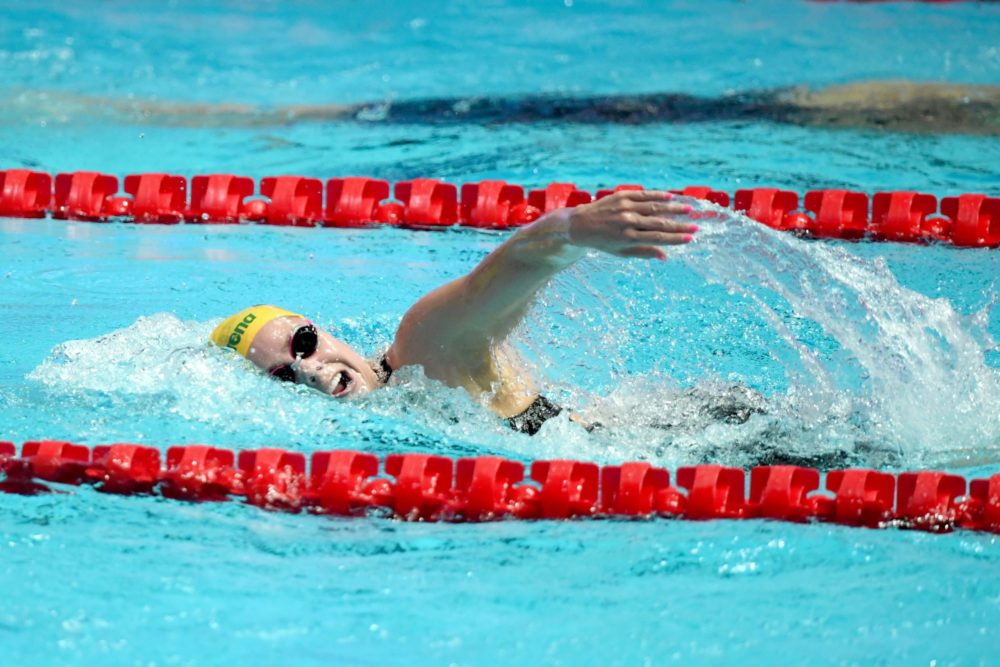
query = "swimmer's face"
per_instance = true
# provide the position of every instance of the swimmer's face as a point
(334, 368)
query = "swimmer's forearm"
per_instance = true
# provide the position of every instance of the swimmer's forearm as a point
(470, 315)
(495, 295)
(475, 313)
(534, 253)
(508, 279)
(628, 224)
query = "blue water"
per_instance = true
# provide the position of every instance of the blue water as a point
(862, 354)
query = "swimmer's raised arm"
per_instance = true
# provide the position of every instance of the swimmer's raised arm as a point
(453, 331)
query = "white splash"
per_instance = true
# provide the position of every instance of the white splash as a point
(875, 373)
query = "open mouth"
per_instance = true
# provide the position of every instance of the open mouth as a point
(343, 384)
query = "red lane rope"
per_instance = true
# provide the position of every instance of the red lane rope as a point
(967, 220)
(425, 487)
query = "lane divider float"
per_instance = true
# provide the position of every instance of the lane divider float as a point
(967, 220)
(426, 487)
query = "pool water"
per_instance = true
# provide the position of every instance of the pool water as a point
(880, 355)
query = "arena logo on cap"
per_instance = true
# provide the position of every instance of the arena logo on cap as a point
(237, 335)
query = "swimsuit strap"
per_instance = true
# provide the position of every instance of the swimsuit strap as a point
(383, 370)
(536, 414)
(529, 421)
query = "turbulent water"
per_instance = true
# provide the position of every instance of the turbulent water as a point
(755, 347)
(875, 373)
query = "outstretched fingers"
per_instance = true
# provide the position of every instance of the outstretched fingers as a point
(652, 223)
(632, 223)
(660, 208)
(659, 238)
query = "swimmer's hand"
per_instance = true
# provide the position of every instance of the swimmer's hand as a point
(631, 223)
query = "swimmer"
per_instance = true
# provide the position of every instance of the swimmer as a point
(902, 106)
(458, 332)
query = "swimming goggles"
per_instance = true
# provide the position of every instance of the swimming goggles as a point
(303, 344)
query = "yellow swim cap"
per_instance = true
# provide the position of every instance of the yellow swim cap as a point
(238, 331)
